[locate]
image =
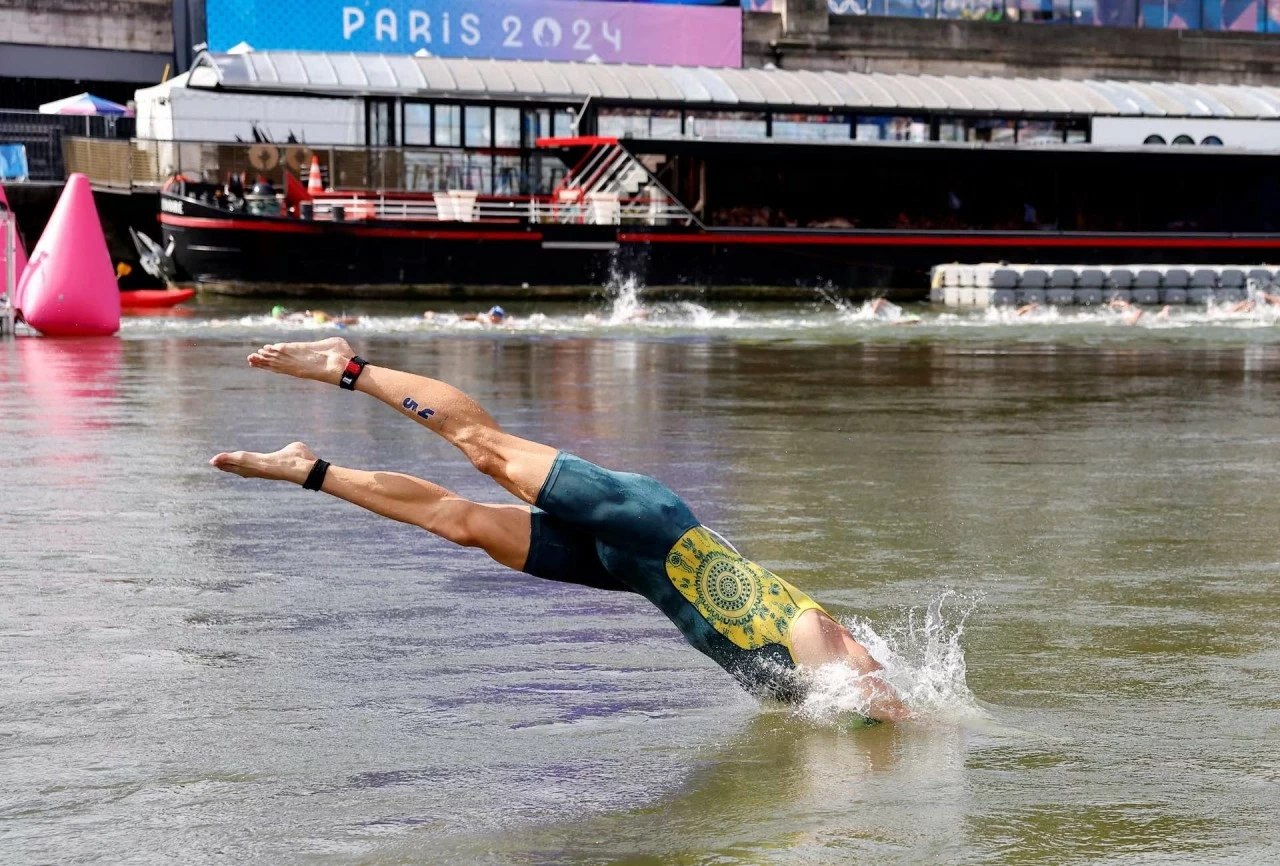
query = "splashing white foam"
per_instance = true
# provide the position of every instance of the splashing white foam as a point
(624, 293)
(923, 661)
(627, 307)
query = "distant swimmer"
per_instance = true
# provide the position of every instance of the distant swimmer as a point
(882, 308)
(319, 317)
(1252, 303)
(580, 524)
(1132, 314)
(495, 316)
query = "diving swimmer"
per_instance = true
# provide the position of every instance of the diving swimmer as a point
(579, 523)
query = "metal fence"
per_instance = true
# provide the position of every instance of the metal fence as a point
(145, 164)
(42, 135)
(1247, 16)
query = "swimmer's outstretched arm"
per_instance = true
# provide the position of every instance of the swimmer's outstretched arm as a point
(817, 640)
(519, 465)
(502, 531)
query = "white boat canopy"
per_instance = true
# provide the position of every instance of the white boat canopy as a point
(338, 74)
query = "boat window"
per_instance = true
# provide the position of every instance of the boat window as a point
(1184, 139)
(1212, 141)
(506, 127)
(726, 124)
(563, 124)
(508, 178)
(547, 172)
(992, 129)
(619, 123)
(952, 129)
(665, 124)
(537, 124)
(417, 123)
(811, 127)
(891, 128)
(1154, 139)
(1077, 134)
(431, 170)
(422, 170)
(1040, 132)
(448, 125)
(476, 172)
(476, 128)
(382, 128)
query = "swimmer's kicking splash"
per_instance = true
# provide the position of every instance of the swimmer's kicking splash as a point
(580, 524)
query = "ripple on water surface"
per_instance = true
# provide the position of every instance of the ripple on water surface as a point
(1055, 529)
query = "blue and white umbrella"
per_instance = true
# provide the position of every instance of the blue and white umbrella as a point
(86, 104)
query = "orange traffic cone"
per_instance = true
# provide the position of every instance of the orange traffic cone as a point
(314, 182)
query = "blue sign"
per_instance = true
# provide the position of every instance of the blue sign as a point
(674, 32)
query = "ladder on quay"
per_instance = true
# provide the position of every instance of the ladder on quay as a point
(8, 274)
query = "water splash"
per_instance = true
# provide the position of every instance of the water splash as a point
(625, 305)
(628, 308)
(627, 311)
(923, 660)
(876, 311)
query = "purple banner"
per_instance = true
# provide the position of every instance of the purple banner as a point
(620, 32)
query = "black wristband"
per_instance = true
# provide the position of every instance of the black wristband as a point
(354, 368)
(315, 479)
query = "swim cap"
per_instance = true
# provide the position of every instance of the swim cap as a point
(277, 312)
(495, 310)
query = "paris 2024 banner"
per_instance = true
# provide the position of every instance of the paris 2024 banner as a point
(674, 32)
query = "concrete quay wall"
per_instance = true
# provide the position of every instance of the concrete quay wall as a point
(120, 25)
(804, 36)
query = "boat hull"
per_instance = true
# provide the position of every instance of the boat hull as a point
(239, 254)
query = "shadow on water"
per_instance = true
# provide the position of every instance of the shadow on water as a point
(780, 785)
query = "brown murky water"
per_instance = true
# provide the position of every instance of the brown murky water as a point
(1063, 534)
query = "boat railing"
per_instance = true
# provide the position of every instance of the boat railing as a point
(144, 165)
(465, 206)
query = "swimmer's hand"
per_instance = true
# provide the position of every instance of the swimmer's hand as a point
(885, 706)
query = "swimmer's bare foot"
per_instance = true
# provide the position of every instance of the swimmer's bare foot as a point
(323, 360)
(293, 463)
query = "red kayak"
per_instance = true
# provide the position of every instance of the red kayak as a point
(155, 297)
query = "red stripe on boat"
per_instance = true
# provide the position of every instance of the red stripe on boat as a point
(713, 237)
(355, 228)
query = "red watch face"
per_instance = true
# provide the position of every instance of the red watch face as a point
(353, 367)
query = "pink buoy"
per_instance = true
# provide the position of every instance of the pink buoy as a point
(19, 259)
(69, 288)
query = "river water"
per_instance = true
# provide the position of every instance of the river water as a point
(1059, 532)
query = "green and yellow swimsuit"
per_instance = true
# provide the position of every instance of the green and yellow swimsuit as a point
(619, 530)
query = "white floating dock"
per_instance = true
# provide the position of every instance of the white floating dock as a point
(993, 284)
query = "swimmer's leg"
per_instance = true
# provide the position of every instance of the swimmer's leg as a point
(519, 465)
(502, 531)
